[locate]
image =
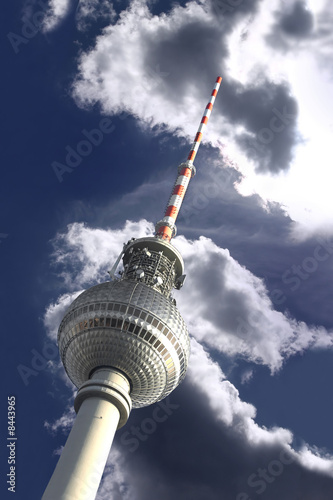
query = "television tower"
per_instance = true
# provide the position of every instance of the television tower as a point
(124, 344)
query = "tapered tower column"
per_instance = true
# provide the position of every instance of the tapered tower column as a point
(103, 406)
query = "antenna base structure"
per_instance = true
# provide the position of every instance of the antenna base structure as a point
(166, 228)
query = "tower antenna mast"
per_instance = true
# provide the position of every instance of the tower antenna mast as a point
(166, 228)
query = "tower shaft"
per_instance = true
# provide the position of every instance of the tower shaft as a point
(165, 229)
(80, 467)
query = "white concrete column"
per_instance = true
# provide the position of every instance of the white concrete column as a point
(80, 467)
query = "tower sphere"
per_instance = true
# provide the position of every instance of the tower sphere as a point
(131, 324)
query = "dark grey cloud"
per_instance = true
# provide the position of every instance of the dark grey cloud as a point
(191, 56)
(194, 455)
(195, 53)
(294, 23)
(266, 110)
(299, 22)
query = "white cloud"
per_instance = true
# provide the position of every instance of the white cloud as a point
(90, 253)
(58, 11)
(315, 459)
(88, 12)
(246, 376)
(51, 319)
(223, 396)
(55, 312)
(226, 404)
(116, 482)
(64, 423)
(116, 75)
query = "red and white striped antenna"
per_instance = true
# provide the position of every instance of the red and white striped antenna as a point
(166, 228)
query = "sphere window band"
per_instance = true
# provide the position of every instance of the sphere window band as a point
(127, 326)
(117, 307)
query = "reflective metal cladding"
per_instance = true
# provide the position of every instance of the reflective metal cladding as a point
(131, 324)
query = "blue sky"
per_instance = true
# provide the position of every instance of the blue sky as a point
(101, 102)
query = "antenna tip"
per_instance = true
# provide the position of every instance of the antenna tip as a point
(219, 79)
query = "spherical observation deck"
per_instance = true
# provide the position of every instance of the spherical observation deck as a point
(128, 325)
